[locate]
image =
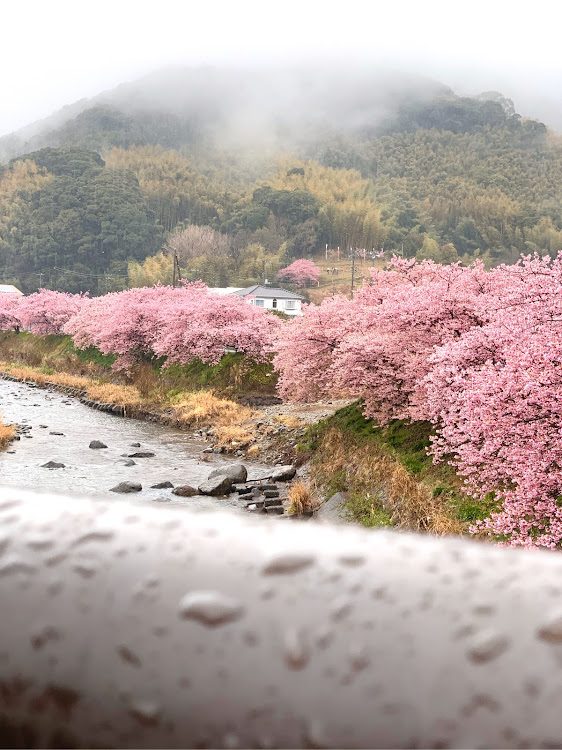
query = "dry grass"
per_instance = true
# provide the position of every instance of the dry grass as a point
(109, 393)
(233, 436)
(253, 451)
(231, 421)
(301, 498)
(204, 408)
(7, 432)
(289, 421)
(369, 470)
(41, 378)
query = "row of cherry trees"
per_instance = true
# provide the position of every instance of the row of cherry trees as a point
(182, 324)
(478, 353)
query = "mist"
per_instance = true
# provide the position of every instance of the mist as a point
(72, 54)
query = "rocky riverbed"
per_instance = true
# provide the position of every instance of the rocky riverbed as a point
(65, 446)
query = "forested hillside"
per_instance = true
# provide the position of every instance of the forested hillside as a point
(420, 172)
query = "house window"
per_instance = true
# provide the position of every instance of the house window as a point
(258, 302)
(290, 304)
(274, 304)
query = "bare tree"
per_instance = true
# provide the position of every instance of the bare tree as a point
(195, 241)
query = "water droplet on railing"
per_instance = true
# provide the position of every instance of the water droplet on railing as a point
(295, 649)
(287, 563)
(487, 646)
(210, 608)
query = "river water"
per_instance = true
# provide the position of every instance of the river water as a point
(179, 457)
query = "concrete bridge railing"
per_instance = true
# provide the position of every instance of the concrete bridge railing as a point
(129, 625)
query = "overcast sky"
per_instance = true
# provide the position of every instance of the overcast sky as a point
(55, 52)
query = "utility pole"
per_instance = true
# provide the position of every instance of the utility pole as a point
(177, 263)
(352, 270)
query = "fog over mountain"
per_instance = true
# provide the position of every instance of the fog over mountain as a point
(242, 106)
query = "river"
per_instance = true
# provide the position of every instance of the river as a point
(179, 457)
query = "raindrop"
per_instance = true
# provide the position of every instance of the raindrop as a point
(4, 543)
(315, 734)
(251, 638)
(352, 560)
(146, 712)
(129, 656)
(324, 637)
(43, 636)
(483, 609)
(295, 649)
(54, 588)
(230, 740)
(16, 566)
(340, 609)
(55, 560)
(40, 543)
(86, 571)
(210, 608)
(8, 504)
(287, 563)
(94, 536)
(268, 592)
(551, 631)
(487, 646)
(359, 657)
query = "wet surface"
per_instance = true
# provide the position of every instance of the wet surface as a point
(178, 458)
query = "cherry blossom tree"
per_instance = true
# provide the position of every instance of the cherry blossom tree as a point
(9, 312)
(47, 312)
(300, 273)
(181, 324)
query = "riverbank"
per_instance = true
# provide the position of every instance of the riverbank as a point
(378, 477)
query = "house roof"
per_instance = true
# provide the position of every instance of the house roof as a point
(267, 292)
(224, 289)
(9, 289)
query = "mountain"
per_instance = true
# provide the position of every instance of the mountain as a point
(280, 162)
(232, 107)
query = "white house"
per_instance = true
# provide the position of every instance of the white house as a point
(9, 289)
(267, 297)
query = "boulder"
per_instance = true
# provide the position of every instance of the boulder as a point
(141, 454)
(219, 485)
(332, 511)
(135, 445)
(283, 473)
(56, 433)
(124, 487)
(236, 472)
(128, 462)
(162, 486)
(95, 444)
(185, 491)
(271, 493)
(53, 465)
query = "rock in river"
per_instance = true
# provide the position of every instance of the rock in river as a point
(161, 485)
(283, 473)
(236, 472)
(219, 485)
(185, 491)
(127, 487)
(141, 454)
(96, 444)
(53, 465)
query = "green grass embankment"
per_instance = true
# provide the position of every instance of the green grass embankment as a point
(386, 475)
(235, 376)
